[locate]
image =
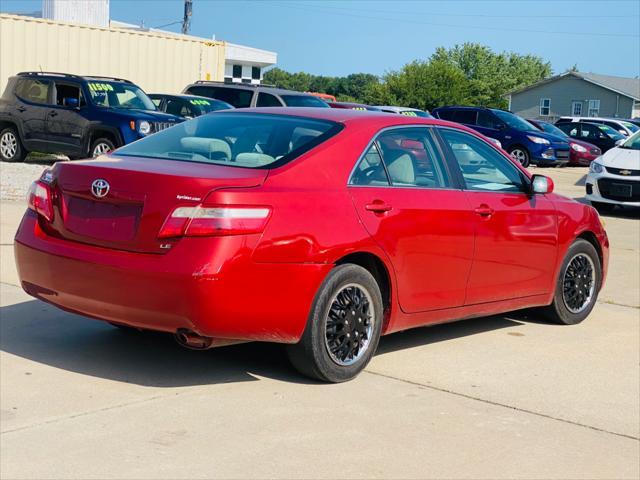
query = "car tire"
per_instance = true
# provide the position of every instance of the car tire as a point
(520, 155)
(100, 146)
(603, 207)
(343, 328)
(573, 302)
(11, 149)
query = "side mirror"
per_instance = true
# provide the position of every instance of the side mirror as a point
(541, 184)
(70, 102)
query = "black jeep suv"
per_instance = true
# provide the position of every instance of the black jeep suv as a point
(74, 115)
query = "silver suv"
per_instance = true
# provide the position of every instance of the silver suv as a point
(247, 95)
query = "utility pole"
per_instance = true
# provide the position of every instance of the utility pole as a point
(186, 22)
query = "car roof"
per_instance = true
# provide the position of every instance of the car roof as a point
(185, 96)
(248, 86)
(347, 116)
(71, 76)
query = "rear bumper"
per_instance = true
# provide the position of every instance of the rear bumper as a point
(208, 285)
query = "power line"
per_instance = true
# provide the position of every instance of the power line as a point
(328, 10)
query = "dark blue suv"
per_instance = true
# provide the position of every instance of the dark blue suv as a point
(74, 115)
(524, 142)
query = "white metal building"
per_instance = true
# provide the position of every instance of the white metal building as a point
(77, 36)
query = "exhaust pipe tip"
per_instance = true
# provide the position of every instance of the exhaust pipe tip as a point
(192, 340)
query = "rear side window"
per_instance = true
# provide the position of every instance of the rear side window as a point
(238, 97)
(446, 114)
(303, 101)
(465, 116)
(236, 139)
(409, 157)
(33, 90)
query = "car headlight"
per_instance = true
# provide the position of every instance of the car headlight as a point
(578, 148)
(144, 127)
(596, 167)
(539, 140)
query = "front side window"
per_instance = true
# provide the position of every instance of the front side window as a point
(483, 168)
(487, 120)
(576, 109)
(594, 108)
(303, 101)
(118, 95)
(545, 107)
(235, 139)
(410, 158)
(176, 106)
(267, 100)
(69, 95)
(515, 121)
(34, 90)
(570, 129)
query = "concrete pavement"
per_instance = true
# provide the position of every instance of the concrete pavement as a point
(499, 397)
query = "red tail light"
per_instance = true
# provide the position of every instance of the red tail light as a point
(39, 200)
(215, 220)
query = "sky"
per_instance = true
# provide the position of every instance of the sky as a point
(339, 37)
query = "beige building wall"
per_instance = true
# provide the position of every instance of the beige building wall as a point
(157, 62)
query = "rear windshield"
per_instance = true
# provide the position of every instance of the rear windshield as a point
(236, 139)
(303, 101)
(238, 97)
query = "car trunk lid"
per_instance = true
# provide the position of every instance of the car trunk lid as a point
(122, 202)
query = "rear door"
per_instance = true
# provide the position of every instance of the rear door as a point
(34, 94)
(516, 238)
(409, 203)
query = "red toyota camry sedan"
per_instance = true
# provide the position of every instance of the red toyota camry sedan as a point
(322, 229)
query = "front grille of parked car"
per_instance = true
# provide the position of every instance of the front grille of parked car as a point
(562, 154)
(605, 185)
(627, 172)
(159, 126)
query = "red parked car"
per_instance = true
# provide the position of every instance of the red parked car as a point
(581, 153)
(315, 228)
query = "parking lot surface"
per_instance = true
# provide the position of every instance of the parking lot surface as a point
(498, 397)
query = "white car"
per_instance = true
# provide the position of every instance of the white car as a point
(614, 178)
(623, 126)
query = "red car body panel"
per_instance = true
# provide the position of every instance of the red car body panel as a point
(236, 287)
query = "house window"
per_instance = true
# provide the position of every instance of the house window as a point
(594, 108)
(237, 71)
(545, 107)
(576, 109)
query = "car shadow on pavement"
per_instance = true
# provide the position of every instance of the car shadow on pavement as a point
(618, 212)
(41, 333)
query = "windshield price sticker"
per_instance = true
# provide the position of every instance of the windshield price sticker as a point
(100, 87)
(409, 114)
(199, 102)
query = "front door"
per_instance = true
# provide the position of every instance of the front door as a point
(407, 201)
(516, 233)
(64, 120)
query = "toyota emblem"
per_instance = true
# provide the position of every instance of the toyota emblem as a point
(100, 188)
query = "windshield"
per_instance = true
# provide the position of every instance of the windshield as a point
(552, 129)
(119, 95)
(632, 127)
(514, 121)
(235, 139)
(616, 135)
(303, 101)
(633, 143)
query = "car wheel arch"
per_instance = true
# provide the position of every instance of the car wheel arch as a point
(103, 131)
(591, 237)
(377, 267)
